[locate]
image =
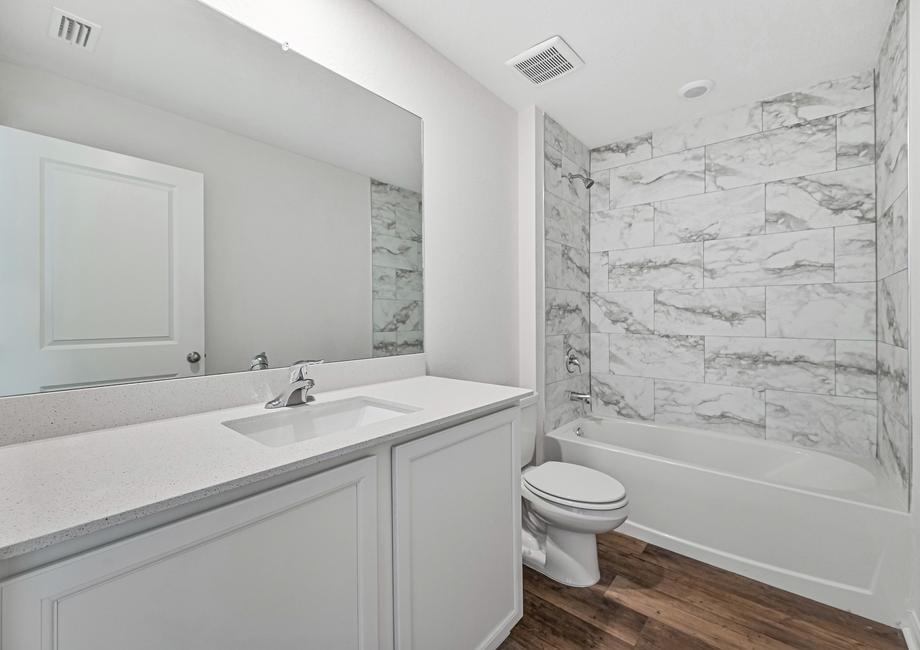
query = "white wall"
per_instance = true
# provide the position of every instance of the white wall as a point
(470, 181)
(267, 211)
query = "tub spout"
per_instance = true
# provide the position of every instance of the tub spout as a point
(584, 398)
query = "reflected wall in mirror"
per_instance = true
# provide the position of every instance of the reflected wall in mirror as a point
(179, 206)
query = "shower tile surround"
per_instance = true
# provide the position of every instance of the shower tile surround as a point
(731, 275)
(396, 239)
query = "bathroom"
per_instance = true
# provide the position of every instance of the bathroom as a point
(389, 324)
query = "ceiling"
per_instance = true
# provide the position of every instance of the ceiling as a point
(186, 58)
(638, 52)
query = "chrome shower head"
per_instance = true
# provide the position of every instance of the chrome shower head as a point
(584, 179)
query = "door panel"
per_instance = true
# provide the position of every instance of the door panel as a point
(101, 266)
(288, 569)
(457, 536)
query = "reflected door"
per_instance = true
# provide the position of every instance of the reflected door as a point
(101, 266)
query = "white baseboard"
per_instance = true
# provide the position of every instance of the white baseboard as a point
(911, 630)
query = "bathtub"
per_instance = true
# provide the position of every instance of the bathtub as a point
(822, 526)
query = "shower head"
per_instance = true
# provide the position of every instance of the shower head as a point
(584, 179)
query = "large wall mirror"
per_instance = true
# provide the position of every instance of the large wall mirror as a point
(181, 196)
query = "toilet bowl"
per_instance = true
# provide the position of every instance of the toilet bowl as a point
(564, 507)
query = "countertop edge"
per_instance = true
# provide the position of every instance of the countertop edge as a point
(134, 514)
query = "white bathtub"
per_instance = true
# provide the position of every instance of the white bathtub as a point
(825, 527)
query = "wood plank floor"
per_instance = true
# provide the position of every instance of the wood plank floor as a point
(649, 598)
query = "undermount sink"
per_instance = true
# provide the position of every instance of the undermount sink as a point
(314, 420)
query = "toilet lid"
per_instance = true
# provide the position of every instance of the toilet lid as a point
(574, 483)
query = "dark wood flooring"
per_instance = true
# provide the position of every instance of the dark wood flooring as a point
(649, 598)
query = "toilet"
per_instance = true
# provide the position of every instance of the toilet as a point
(564, 508)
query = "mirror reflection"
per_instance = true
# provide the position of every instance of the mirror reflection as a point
(198, 204)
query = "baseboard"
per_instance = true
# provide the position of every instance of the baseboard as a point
(911, 630)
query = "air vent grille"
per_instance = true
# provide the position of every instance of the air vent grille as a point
(72, 29)
(549, 60)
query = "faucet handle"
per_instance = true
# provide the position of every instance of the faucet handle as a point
(299, 369)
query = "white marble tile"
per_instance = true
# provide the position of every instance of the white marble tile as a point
(855, 373)
(892, 79)
(808, 148)
(894, 407)
(805, 365)
(854, 253)
(891, 250)
(716, 215)
(554, 366)
(622, 152)
(566, 267)
(409, 284)
(566, 311)
(659, 356)
(667, 177)
(558, 137)
(560, 409)
(786, 258)
(384, 283)
(719, 312)
(629, 227)
(599, 272)
(891, 170)
(679, 266)
(600, 191)
(841, 424)
(822, 311)
(725, 409)
(384, 344)
(552, 172)
(623, 311)
(410, 342)
(397, 315)
(838, 198)
(825, 98)
(893, 305)
(564, 222)
(725, 125)
(600, 353)
(631, 398)
(856, 138)
(395, 253)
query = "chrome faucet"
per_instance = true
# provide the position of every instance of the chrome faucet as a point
(585, 398)
(296, 393)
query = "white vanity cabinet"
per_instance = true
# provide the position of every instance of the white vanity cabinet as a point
(415, 544)
(457, 536)
(294, 567)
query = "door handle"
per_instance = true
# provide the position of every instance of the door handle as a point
(193, 357)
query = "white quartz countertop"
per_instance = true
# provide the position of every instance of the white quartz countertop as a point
(62, 488)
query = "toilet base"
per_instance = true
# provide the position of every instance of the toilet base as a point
(565, 556)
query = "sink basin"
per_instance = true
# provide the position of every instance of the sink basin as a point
(299, 423)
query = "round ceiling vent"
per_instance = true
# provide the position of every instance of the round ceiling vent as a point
(695, 89)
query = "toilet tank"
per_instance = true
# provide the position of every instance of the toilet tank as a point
(528, 429)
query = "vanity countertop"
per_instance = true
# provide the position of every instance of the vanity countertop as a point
(63, 488)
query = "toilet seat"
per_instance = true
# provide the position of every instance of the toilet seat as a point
(575, 486)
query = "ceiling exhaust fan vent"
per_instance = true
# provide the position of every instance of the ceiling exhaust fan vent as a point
(72, 29)
(551, 59)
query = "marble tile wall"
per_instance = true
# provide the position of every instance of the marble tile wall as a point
(396, 241)
(732, 272)
(891, 233)
(566, 271)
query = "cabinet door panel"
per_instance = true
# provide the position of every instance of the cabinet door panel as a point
(457, 536)
(295, 567)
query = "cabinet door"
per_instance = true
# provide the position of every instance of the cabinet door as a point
(294, 567)
(457, 536)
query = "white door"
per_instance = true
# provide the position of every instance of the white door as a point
(294, 568)
(457, 536)
(101, 266)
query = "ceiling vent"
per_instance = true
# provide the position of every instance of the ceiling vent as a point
(549, 60)
(72, 29)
